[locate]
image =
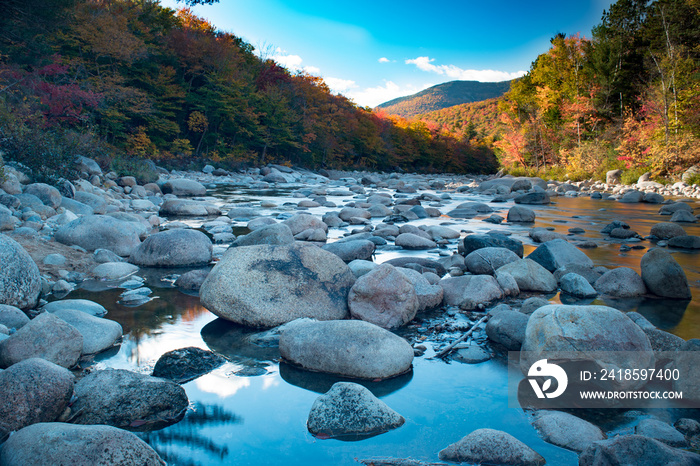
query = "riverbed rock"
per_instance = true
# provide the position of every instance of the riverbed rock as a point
(49, 195)
(33, 390)
(489, 446)
(187, 208)
(84, 305)
(537, 198)
(666, 230)
(275, 234)
(185, 364)
(632, 197)
(68, 444)
(350, 409)
(173, 248)
(470, 291)
(183, 187)
(12, 317)
(635, 450)
(613, 177)
(663, 276)
(47, 337)
(350, 348)
(520, 214)
(530, 276)
(488, 260)
(349, 251)
(507, 328)
(683, 216)
(412, 242)
(97, 203)
(473, 242)
(384, 297)
(100, 231)
(266, 286)
(114, 270)
(126, 399)
(98, 334)
(302, 222)
(658, 430)
(429, 296)
(566, 430)
(20, 282)
(685, 242)
(622, 282)
(670, 209)
(577, 286)
(192, 280)
(614, 339)
(557, 253)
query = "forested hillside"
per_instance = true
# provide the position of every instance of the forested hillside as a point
(124, 81)
(444, 95)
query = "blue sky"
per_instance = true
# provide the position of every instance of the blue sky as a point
(374, 51)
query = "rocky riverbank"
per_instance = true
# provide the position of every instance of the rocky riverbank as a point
(303, 274)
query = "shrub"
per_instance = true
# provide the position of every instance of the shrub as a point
(143, 170)
(631, 175)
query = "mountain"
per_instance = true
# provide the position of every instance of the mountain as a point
(473, 120)
(443, 96)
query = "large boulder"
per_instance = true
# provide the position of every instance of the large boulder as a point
(98, 334)
(83, 305)
(114, 270)
(33, 390)
(59, 443)
(558, 253)
(101, 232)
(122, 398)
(659, 430)
(350, 409)
(173, 248)
(20, 282)
(413, 241)
(530, 276)
(49, 195)
(47, 337)
(473, 242)
(349, 251)
(598, 333)
(275, 234)
(187, 208)
(621, 282)
(540, 198)
(577, 286)
(302, 222)
(350, 348)
(183, 187)
(489, 446)
(566, 430)
(663, 276)
(384, 297)
(95, 202)
(666, 230)
(429, 296)
(12, 317)
(185, 364)
(520, 214)
(470, 291)
(507, 328)
(488, 260)
(266, 286)
(636, 450)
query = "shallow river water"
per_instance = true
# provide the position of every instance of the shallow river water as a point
(253, 410)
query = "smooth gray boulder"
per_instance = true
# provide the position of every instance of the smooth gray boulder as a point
(187, 208)
(540, 198)
(591, 274)
(173, 248)
(114, 270)
(301, 222)
(632, 197)
(667, 230)
(663, 276)
(685, 242)
(47, 337)
(384, 297)
(470, 291)
(349, 251)
(12, 317)
(577, 286)
(627, 450)
(471, 355)
(125, 399)
(488, 260)
(68, 444)
(438, 232)
(97, 203)
(520, 214)
(98, 334)
(266, 286)
(83, 305)
(507, 328)
(412, 241)
(530, 276)
(429, 296)
(658, 430)
(33, 390)
(622, 282)
(100, 232)
(349, 409)
(49, 195)
(598, 333)
(350, 348)
(489, 446)
(20, 282)
(88, 166)
(183, 187)
(185, 364)
(473, 242)
(566, 430)
(613, 176)
(192, 280)
(274, 234)
(348, 213)
(557, 253)
(683, 216)
(670, 209)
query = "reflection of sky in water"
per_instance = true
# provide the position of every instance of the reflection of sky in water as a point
(262, 420)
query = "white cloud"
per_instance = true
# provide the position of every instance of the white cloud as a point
(339, 85)
(454, 72)
(373, 96)
(293, 62)
(383, 60)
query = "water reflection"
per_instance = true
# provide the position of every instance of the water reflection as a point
(239, 344)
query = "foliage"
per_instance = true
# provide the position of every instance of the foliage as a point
(156, 84)
(143, 170)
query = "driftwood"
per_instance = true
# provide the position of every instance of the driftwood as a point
(466, 335)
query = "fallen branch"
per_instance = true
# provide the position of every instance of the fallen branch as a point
(451, 346)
